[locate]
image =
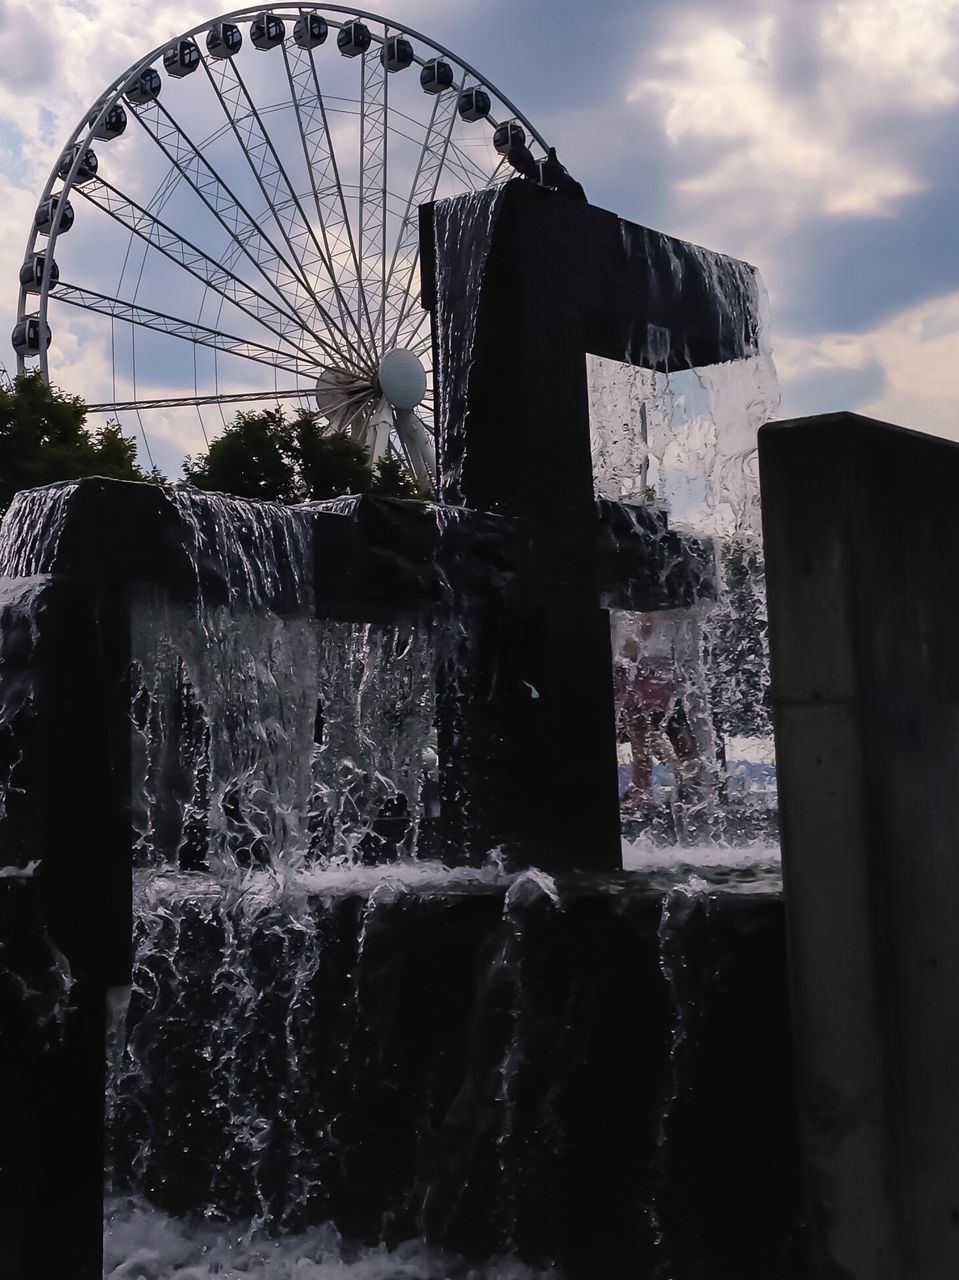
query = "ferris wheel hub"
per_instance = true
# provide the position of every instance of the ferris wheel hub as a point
(402, 378)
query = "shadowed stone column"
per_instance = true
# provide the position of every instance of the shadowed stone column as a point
(862, 561)
(522, 284)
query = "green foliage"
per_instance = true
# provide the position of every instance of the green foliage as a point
(263, 455)
(330, 463)
(44, 438)
(392, 480)
(253, 458)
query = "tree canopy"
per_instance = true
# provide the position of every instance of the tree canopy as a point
(44, 438)
(268, 456)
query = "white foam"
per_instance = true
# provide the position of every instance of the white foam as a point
(19, 873)
(349, 878)
(641, 855)
(260, 886)
(750, 751)
(141, 1243)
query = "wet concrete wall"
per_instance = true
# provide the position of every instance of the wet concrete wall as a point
(596, 1073)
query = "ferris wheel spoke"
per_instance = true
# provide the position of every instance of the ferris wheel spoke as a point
(198, 401)
(191, 331)
(165, 191)
(415, 340)
(231, 214)
(432, 158)
(342, 415)
(499, 173)
(246, 123)
(355, 423)
(216, 275)
(474, 174)
(374, 126)
(172, 178)
(320, 160)
(324, 171)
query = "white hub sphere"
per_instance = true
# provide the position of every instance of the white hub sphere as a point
(402, 379)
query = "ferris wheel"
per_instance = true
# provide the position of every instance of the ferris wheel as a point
(253, 237)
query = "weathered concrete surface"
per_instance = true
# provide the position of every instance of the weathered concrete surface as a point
(862, 561)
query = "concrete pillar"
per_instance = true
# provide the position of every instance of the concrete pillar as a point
(862, 563)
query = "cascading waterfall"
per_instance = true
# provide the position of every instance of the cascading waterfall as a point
(31, 530)
(262, 735)
(375, 747)
(464, 230)
(399, 1049)
(318, 1051)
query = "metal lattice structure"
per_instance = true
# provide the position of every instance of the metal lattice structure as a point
(253, 237)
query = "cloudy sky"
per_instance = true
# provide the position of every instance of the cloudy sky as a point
(814, 138)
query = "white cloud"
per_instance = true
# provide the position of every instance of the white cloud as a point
(905, 49)
(919, 351)
(53, 66)
(776, 116)
(770, 151)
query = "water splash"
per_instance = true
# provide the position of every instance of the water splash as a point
(141, 1243)
(376, 698)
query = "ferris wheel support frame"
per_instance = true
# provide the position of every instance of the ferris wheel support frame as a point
(334, 294)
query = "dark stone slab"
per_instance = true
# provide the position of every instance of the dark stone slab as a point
(523, 284)
(63, 700)
(644, 565)
(375, 558)
(380, 559)
(42, 1083)
(862, 562)
(601, 1079)
(224, 550)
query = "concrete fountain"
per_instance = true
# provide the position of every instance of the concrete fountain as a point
(323, 802)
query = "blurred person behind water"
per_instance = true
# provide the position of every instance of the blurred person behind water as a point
(662, 707)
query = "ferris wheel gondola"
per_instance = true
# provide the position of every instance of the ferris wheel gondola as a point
(264, 216)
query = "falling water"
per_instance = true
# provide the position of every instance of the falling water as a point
(464, 229)
(263, 735)
(683, 441)
(31, 530)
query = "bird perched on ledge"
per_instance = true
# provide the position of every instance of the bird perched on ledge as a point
(546, 173)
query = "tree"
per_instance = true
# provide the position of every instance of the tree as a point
(739, 650)
(44, 438)
(253, 458)
(392, 480)
(264, 455)
(330, 462)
